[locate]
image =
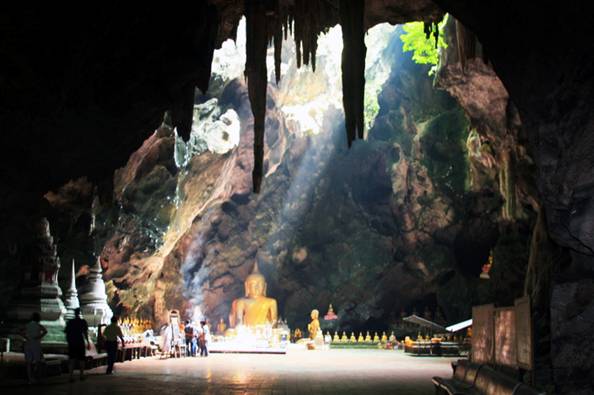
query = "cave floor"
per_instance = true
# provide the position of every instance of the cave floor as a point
(297, 372)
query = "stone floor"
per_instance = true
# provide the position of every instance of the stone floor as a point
(297, 372)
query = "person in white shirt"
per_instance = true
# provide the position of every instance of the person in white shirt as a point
(203, 338)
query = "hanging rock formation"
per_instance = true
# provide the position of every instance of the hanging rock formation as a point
(257, 78)
(353, 66)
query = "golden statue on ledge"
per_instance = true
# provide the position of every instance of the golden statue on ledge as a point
(314, 326)
(255, 309)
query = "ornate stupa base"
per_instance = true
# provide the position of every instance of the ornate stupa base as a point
(38, 292)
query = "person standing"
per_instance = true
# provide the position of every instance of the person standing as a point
(34, 332)
(190, 339)
(77, 331)
(166, 340)
(111, 333)
(203, 337)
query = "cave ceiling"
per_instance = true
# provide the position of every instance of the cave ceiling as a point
(80, 94)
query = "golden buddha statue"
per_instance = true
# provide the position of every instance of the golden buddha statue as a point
(384, 337)
(360, 339)
(297, 334)
(221, 327)
(392, 337)
(487, 268)
(314, 326)
(376, 338)
(344, 338)
(255, 308)
(335, 338)
(353, 339)
(367, 337)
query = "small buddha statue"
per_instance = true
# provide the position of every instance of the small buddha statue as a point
(376, 338)
(392, 337)
(335, 338)
(353, 339)
(384, 337)
(360, 339)
(298, 334)
(330, 315)
(367, 337)
(487, 268)
(221, 327)
(255, 308)
(314, 326)
(344, 338)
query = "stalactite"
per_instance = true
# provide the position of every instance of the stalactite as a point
(183, 110)
(311, 17)
(507, 184)
(353, 66)
(256, 74)
(466, 44)
(278, 47)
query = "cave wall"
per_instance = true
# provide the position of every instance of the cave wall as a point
(551, 82)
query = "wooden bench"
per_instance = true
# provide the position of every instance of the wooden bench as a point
(473, 379)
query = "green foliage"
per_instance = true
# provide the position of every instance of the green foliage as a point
(424, 49)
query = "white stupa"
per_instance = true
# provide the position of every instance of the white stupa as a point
(71, 296)
(93, 299)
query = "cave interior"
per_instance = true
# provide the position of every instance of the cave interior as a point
(490, 155)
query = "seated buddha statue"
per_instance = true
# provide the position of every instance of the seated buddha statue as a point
(335, 338)
(367, 337)
(314, 326)
(376, 338)
(221, 327)
(353, 339)
(360, 339)
(255, 308)
(344, 338)
(384, 337)
(392, 338)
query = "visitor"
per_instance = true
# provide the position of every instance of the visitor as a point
(77, 331)
(166, 340)
(190, 339)
(110, 335)
(203, 338)
(34, 332)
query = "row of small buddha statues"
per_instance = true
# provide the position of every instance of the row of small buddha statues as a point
(360, 339)
(134, 326)
(352, 339)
